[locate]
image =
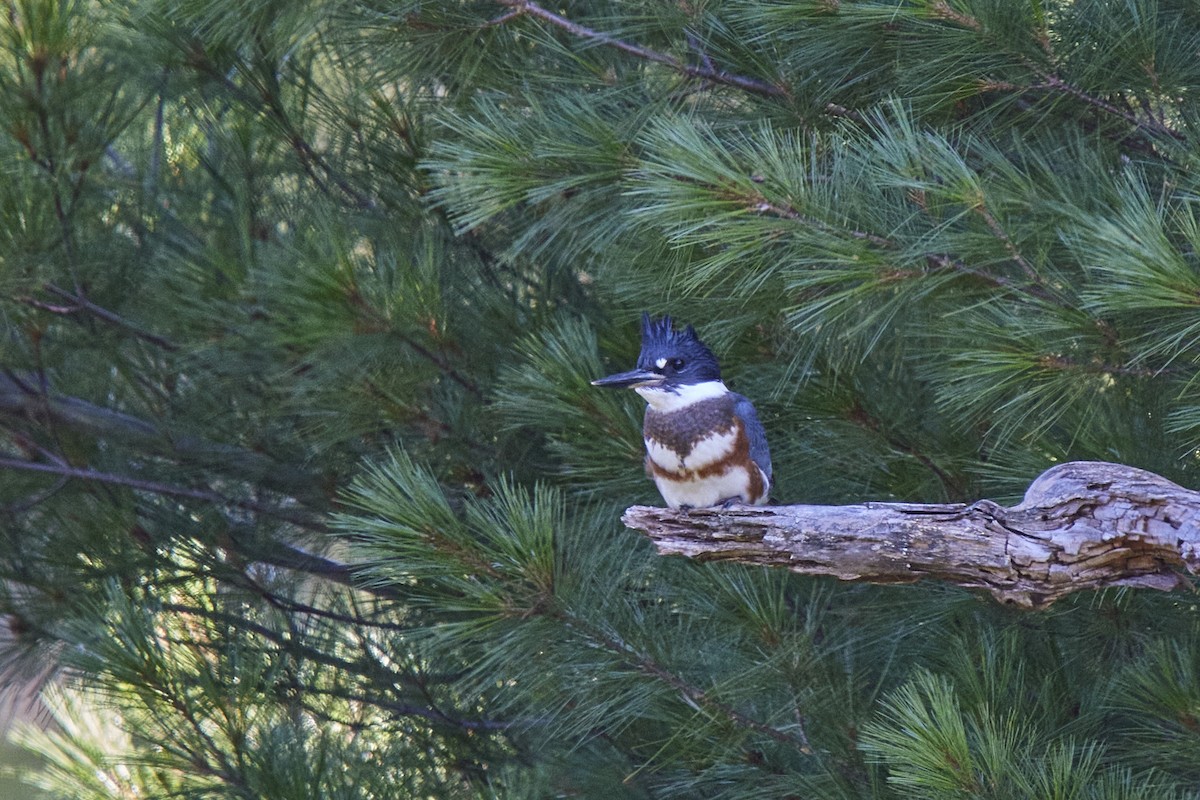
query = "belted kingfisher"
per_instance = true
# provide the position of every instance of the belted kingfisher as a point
(704, 443)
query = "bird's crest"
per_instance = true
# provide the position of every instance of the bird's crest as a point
(661, 333)
(661, 339)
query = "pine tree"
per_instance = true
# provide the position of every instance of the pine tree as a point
(305, 491)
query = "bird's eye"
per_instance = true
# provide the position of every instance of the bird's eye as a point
(676, 363)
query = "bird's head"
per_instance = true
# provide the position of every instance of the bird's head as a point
(669, 359)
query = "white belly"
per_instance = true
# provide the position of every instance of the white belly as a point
(710, 491)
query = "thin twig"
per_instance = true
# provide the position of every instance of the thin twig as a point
(42, 305)
(370, 670)
(999, 232)
(694, 42)
(277, 554)
(82, 302)
(1036, 291)
(1055, 83)
(310, 159)
(20, 398)
(762, 205)
(694, 695)
(707, 73)
(120, 163)
(157, 143)
(1058, 362)
(360, 303)
(430, 713)
(942, 10)
(37, 497)
(165, 489)
(503, 18)
(951, 487)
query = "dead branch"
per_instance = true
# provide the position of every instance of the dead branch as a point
(1082, 525)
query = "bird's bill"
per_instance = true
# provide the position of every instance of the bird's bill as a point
(631, 379)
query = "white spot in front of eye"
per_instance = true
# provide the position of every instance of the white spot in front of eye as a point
(660, 363)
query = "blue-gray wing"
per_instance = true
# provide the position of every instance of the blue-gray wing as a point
(759, 451)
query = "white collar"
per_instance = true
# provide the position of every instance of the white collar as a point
(667, 400)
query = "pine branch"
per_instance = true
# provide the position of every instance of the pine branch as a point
(1035, 288)
(707, 72)
(430, 713)
(1053, 83)
(373, 671)
(1036, 291)
(80, 302)
(761, 205)
(1082, 525)
(694, 695)
(360, 304)
(998, 231)
(323, 175)
(861, 417)
(276, 553)
(20, 400)
(160, 488)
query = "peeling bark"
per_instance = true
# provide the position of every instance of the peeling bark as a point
(1082, 525)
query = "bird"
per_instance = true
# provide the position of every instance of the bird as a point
(704, 444)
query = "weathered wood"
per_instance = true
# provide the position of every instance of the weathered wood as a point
(1082, 525)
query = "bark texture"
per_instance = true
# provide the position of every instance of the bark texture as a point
(1081, 525)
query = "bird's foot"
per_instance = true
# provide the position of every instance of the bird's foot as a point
(729, 502)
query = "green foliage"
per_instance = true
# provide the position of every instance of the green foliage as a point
(935, 749)
(305, 490)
